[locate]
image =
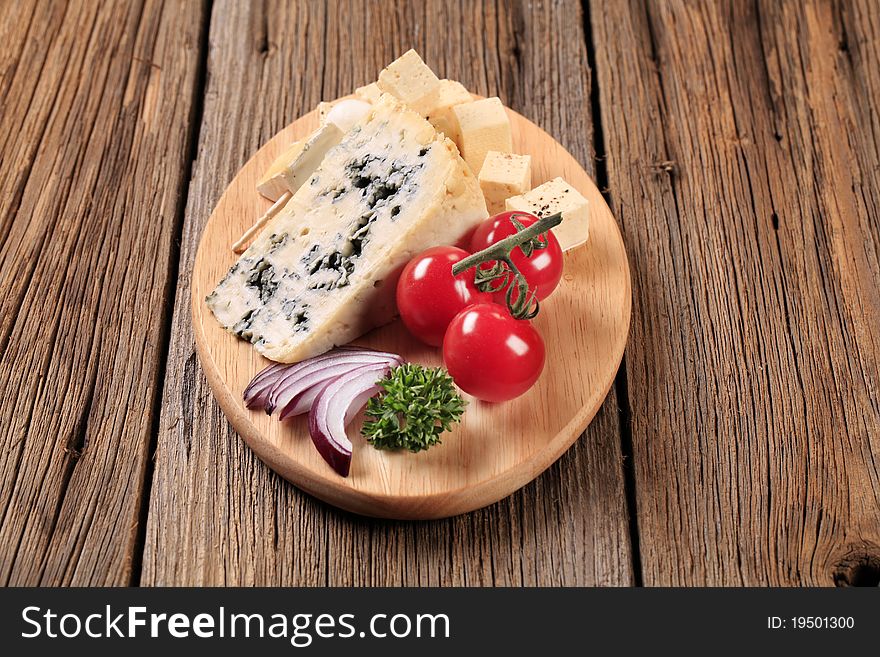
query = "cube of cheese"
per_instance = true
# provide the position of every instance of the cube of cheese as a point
(294, 166)
(369, 93)
(483, 126)
(408, 78)
(437, 104)
(557, 196)
(272, 185)
(323, 110)
(504, 175)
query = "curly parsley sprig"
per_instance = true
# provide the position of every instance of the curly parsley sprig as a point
(418, 404)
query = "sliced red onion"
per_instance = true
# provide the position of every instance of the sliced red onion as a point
(291, 369)
(361, 400)
(290, 392)
(261, 386)
(296, 396)
(333, 387)
(257, 391)
(336, 404)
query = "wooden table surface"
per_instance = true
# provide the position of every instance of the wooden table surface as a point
(739, 143)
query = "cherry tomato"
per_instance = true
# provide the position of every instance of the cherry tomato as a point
(491, 355)
(429, 296)
(542, 270)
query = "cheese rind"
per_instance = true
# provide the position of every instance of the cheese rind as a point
(324, 270)
(557, 196)
(294, 166)
(408, 78)
(483, 126)
(504, 175)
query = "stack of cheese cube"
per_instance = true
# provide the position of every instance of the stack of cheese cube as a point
(479, 128)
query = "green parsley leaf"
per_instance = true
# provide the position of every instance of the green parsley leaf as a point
(418, 404)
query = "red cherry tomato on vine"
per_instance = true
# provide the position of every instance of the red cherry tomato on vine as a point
(491, 355)
(429, 296)
(543, 270)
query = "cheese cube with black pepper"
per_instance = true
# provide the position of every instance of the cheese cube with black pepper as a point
(504, 175)
(557, 196)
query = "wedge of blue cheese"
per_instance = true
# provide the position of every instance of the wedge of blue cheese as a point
(324, 270)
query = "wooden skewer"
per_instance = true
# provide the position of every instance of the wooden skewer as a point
(242, 241)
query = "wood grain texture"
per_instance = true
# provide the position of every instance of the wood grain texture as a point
(218, 515)
(742, 146)
(93, 150)
(497, 448)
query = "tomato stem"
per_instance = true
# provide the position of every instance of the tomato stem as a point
(525, 306)
(500, 250)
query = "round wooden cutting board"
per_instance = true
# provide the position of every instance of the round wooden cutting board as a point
(497, 448)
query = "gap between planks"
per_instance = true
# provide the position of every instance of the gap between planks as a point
(192, 151)
(621, 388)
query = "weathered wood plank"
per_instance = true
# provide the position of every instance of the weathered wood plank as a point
(217, 515)
(93, 149)
(742, 147)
